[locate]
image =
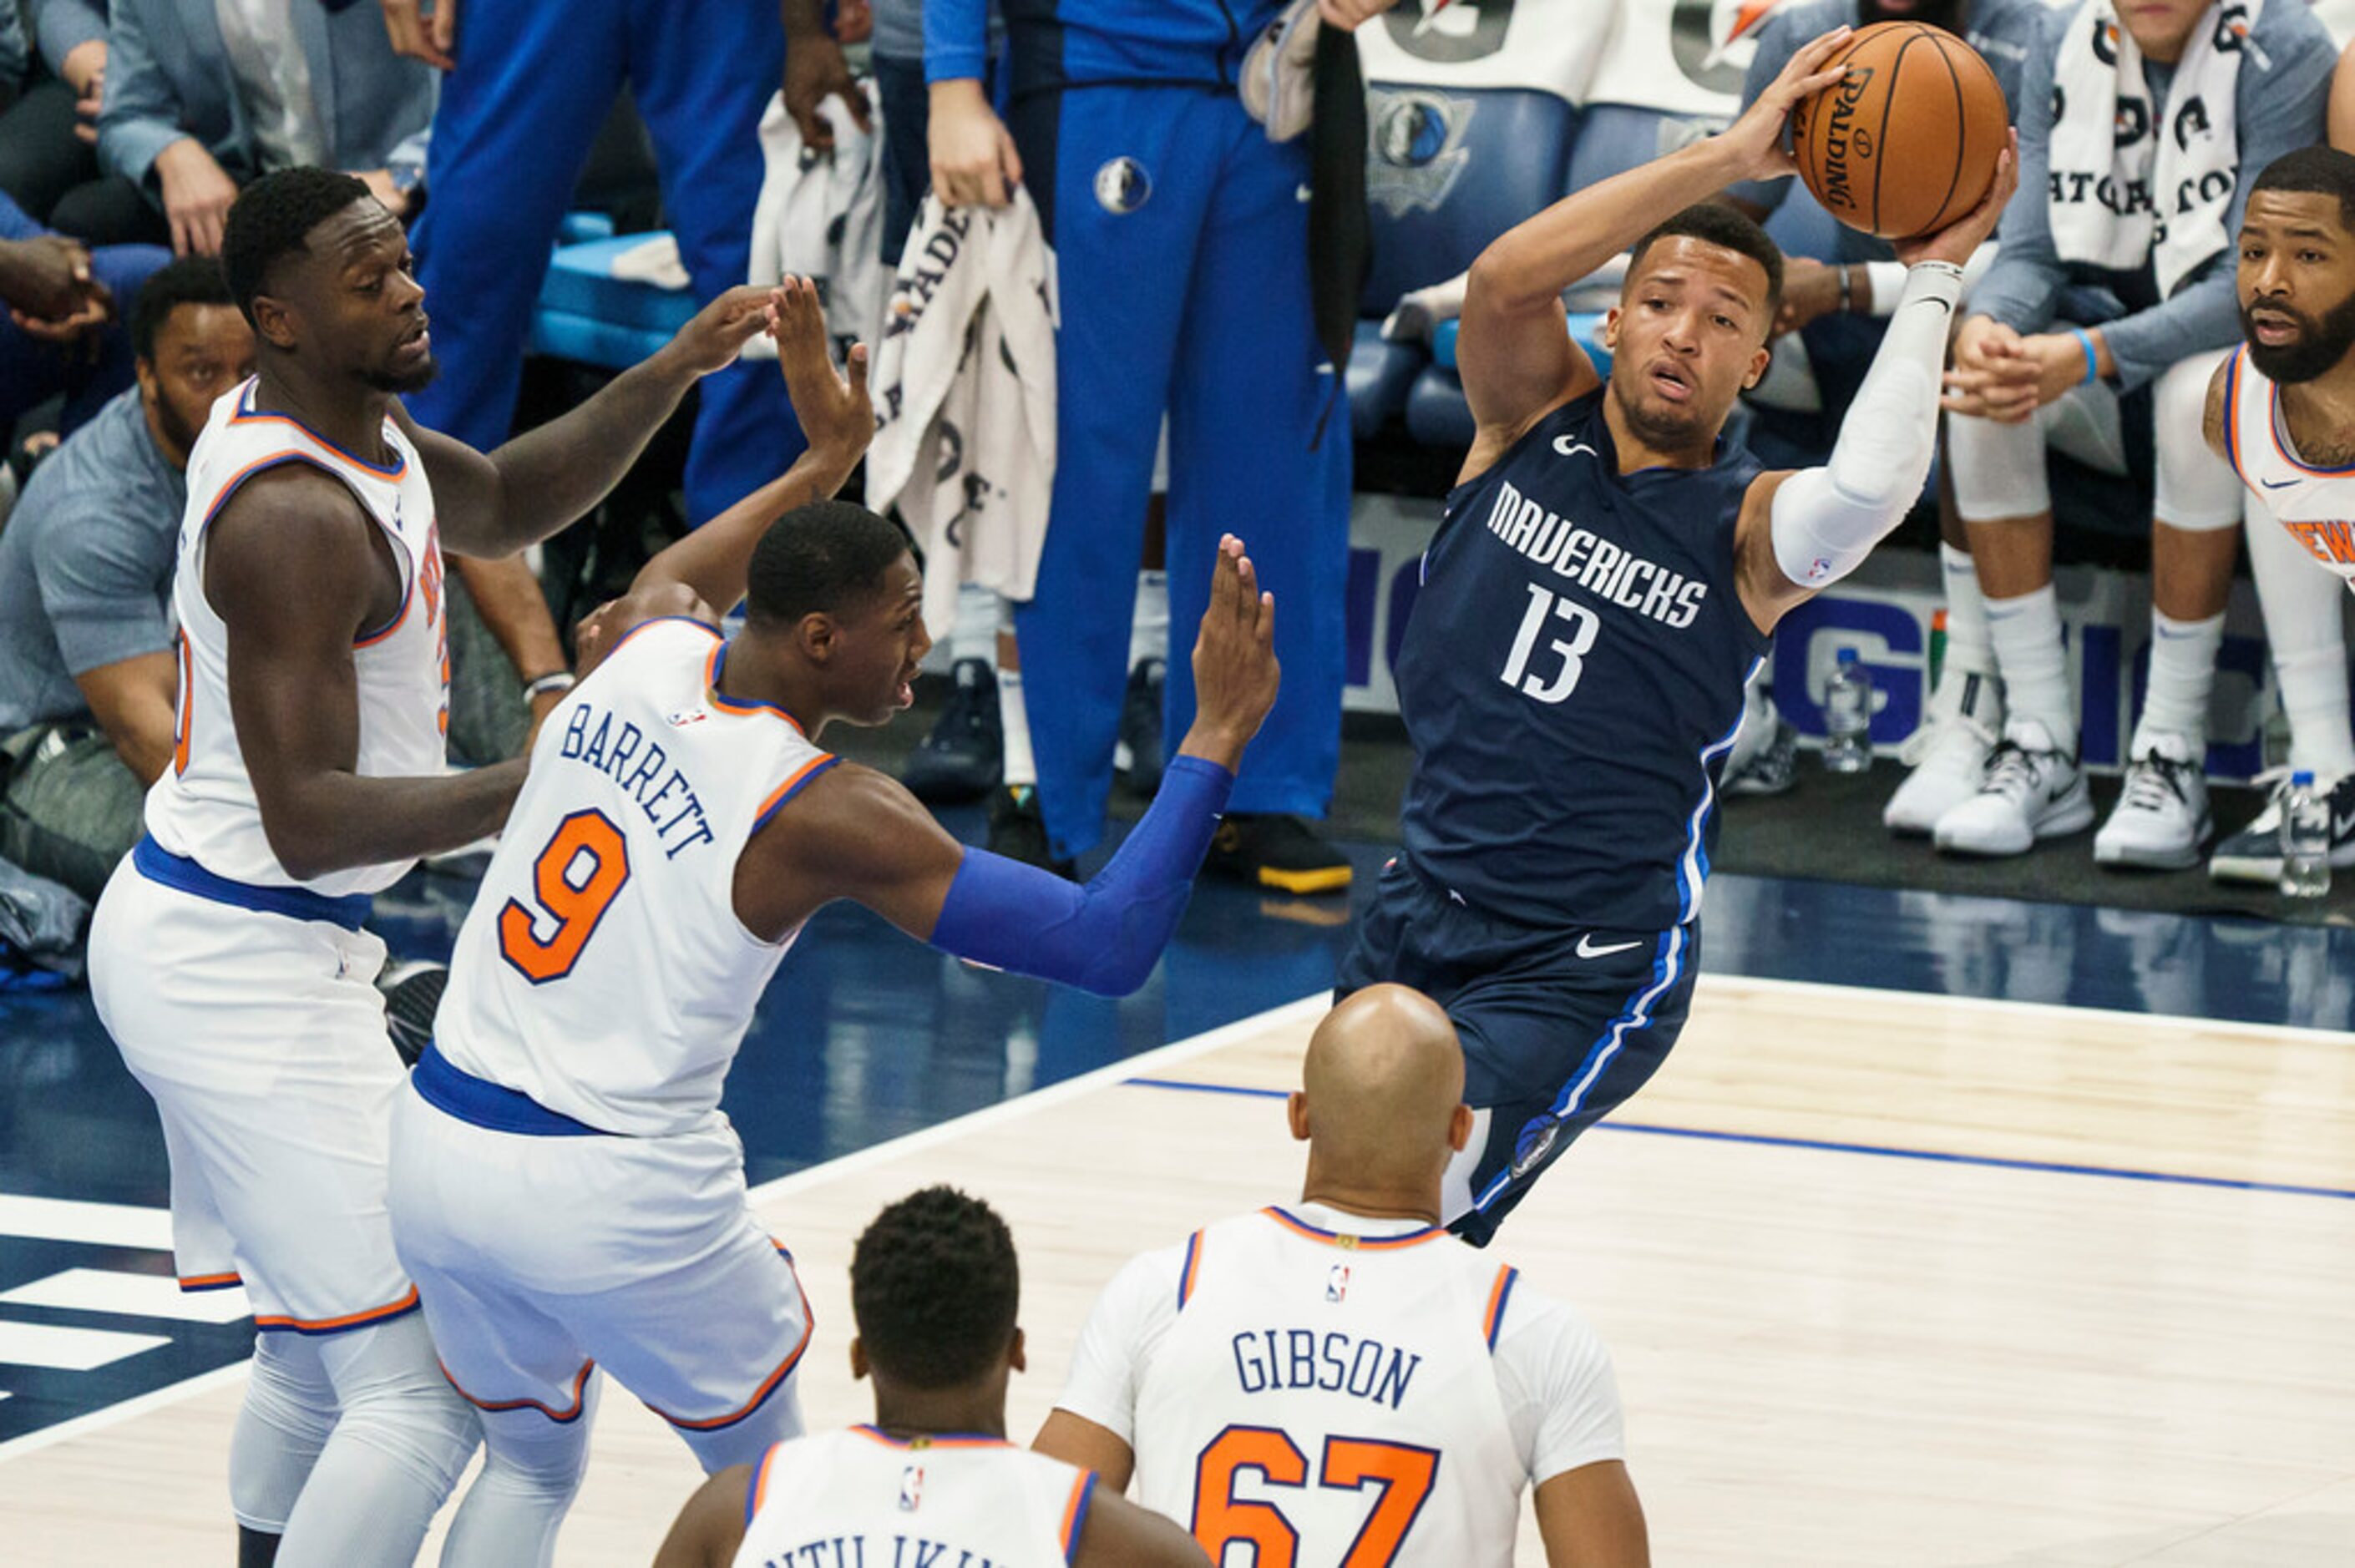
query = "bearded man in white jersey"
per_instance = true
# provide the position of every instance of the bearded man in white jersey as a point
(2281, 408)
(226, 958)
(935, 1285)
(565, 1189)
(1339, 1378)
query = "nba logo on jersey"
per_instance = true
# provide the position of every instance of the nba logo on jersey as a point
(684, 717)
(912, 1488)
(1336, 1283)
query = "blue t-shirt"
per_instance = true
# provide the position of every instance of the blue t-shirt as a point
(1570, 679)
(2004, 32)
(86, 564)
(1061, 42)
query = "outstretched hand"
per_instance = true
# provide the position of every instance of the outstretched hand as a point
(1756, 140)
(1235, 669)
(719, 329)
(836, 412)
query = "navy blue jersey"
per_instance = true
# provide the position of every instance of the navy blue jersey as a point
(1571, 678)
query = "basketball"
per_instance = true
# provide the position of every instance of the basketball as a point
(1907, 141)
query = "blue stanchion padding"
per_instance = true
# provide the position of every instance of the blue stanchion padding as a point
(1380, 374)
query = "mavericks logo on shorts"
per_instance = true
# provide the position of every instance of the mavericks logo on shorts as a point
(1534, 1148)
(1123, 185)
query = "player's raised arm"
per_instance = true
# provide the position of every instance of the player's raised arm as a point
(1800, 533)
(855, 834)
(1515, 353)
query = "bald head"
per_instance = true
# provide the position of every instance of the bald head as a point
(1381, 1088)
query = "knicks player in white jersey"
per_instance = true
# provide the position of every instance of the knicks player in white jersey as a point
(934, 1288)
(1340, 1382)
(2281, 411)
(227, 955)
(565, 1189)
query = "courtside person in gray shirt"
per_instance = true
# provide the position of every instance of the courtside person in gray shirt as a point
(88, 681)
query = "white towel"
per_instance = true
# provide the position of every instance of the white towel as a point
(820, 215)
(965, 398)
(2123, 189)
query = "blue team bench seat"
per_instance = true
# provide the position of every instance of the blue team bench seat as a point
(588, 315)
(1436, 412)
(1380, 374)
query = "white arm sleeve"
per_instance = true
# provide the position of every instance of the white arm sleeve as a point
(1889, 278)
(1826, 520)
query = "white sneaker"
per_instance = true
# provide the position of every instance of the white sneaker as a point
(2161, 817)
(2032, 790)
(2253, 854)
(1948, 753)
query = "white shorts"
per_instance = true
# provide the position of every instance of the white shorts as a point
(262, 1039)
(539, 1257)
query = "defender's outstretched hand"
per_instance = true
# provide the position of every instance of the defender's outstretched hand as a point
(1757, 141)
(836, 412)
(1235, 669)
(718, 332)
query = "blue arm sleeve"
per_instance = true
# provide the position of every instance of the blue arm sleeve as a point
(14, 224)
(62, 26)
(956, 40)
(2021, 289)
(1105, 937)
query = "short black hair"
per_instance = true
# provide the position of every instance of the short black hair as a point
(273, 217)
(1714, 223)
(826, 556)
(185, 280)
(2318, 170)
(934, 1288)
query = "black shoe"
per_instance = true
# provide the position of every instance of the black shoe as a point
(413, 995)
(1285, 852)
(1140, 726)
(1017, 831)
(964, 757)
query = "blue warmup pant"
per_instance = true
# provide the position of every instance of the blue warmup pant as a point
(534, 82)
(1195, 300)
(33, 372)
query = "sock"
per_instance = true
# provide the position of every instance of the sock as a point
(2182, 674)
(975, 633)
(2302, 606)
(1967, 647)
(1021, 768)
(1148, 627)
(2025, 633)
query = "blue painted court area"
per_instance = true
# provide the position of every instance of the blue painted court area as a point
(868, 1035)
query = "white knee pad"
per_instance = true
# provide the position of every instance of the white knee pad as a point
(2196, 491)
(394, 1398)
(1999, 469)
(289, 1410)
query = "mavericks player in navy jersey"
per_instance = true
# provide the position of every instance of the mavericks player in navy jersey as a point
(1608, 574)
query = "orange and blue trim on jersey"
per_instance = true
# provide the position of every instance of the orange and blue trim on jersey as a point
(2274, 420)
(768, 1384)
(192, 1283)
(1186, 1275)
(277, 1323)
(1499, 1295)
(758, 1492)
(245, 415)
(712, 631)
(931, 1439)
(564, 1417)
(1299, 1226)
(803, 776)
(237, 482)
(1075, 1513)
(728, 705)
(2233, 411)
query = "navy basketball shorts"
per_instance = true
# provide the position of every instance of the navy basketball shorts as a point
(1559, 1024)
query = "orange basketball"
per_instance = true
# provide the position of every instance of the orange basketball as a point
(1907, 141)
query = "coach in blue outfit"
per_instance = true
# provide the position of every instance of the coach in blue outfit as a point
(530, 82)
(202, 96)
(1180, 234)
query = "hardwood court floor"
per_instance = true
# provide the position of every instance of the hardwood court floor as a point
(1833, 1349)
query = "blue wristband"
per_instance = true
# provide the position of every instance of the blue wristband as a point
(1105, 937)
(2085, 341)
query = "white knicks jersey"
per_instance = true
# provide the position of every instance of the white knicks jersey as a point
(863, 1500)
(1335, 1387)
(203, 807)
(2316, 504)
(602, 970)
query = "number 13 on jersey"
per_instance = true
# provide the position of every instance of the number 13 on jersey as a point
(1585, 624)
(1402, 1473)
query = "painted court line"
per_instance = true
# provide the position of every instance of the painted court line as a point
(97, 1224)
(129, 1294)
(1877, 1151)
(69, 1349)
